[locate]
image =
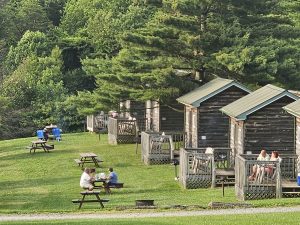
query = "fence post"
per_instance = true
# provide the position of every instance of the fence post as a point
(278, 181)
(213, 171)
(172, 147)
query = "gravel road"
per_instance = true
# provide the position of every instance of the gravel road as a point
(69, 216)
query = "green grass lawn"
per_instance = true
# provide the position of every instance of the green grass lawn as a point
(47, 182)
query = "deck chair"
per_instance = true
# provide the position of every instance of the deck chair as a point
(56, 134)
(40, 134)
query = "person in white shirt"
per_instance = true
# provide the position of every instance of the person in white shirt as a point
(263, 156)
(86, 180)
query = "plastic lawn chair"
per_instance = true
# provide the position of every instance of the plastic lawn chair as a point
(40, 134)
(56, 133)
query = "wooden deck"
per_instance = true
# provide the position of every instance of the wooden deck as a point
(225, 172)
(289, 184)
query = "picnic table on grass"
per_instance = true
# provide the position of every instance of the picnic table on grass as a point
(88, 157)
(40, 144)
(90, 193)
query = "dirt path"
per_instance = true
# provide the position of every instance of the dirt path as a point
(65, 216)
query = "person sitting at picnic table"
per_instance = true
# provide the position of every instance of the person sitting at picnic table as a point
(86, 180)
(263, 156)
(274, 157)
(46, 134)
(112, 177)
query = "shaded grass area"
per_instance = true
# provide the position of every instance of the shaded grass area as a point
(266, 219)
(47, 182)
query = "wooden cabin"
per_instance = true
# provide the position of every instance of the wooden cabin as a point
(164, 117)
(294, 109)
(258, 121)
(205, 125)
(125, 127)
(164, 135)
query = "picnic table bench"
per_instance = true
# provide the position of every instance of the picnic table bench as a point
(90, 193)
(39, 144)
(81, 162)
(107, 186)
(88, 158)
(115, 185)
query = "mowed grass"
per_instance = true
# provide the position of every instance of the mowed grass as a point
(47, 182)
(253, 219)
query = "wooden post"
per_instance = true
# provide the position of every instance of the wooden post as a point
(223, 192)
(172, 147)
(278, 181)
(213, 172)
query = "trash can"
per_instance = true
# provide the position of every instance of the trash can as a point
(298, 179)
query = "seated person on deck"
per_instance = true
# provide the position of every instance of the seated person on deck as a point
(263, 156)
(274, 157)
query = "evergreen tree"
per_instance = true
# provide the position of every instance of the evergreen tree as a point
(269, 52)
(108, 43)
(254, 43)
(156, 62)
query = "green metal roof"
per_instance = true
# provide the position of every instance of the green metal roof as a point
(254, 101)
(293, 108)
(208, 90)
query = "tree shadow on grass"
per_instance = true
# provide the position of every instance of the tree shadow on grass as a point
(38, 154)
(37, 182)
(122, 165)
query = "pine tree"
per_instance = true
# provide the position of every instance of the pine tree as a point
(160, 60)
(254, 42)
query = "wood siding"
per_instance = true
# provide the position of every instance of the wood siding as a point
(163, 118)
(213, 125)
(270, 128)
(132, 108)
(170, 119)
(137, 109)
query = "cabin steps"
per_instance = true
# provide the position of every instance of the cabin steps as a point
(291, 190)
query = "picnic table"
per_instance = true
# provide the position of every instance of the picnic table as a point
(88, 157)
(38, 144)
(90, 193)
